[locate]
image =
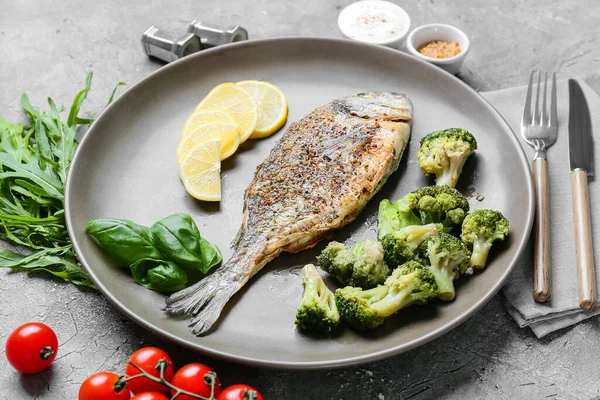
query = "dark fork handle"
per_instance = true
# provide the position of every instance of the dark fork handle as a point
(583, 241)
(541, 258)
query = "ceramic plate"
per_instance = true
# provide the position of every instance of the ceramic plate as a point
(125, 167)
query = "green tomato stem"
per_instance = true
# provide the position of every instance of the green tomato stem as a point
(46, 353)
(161, 366)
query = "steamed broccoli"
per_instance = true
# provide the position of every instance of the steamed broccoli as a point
(443, 205)
(479, 230)
(362, 266)
(447, 258)
(410, 283)
(403, 244)
(369, 268)
(396, 216)
(444, 153)
(431, 204)
(337, 260)
(317, 311)
(355, 306)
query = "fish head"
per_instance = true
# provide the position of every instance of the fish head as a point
(379, 105)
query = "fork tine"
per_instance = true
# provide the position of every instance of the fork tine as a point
(553, 102)
(526, 119)
(536, 111)
(544, 119)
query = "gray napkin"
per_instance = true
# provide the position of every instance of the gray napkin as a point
(563, 308)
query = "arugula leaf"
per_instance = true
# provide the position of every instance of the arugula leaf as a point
(33, 173)
(42, 143)
(34, 162)
(5, 124)
(112, 95)
(60, 262)
(14, 141)
(74, 119)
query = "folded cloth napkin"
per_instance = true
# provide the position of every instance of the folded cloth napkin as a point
(563, 308)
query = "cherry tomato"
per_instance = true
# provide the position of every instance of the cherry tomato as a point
(149, 396)
(240, 392)
(190, 378)
(101, 386)
(147, 358)
(31, 347)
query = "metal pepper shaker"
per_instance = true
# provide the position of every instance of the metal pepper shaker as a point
(214, 35)
(200, 35)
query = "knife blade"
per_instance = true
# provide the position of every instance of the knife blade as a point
(581, 142)
(581, 158)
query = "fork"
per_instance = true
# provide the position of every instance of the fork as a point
(539, 128)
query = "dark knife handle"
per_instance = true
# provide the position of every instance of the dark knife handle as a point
(541, 252)
(583, 241)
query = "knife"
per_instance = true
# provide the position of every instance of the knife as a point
(581, 157)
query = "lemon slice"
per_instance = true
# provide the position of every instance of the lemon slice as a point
(200, 171)
(272, 107)
(201, 117)
(237, 102)
(226, 131)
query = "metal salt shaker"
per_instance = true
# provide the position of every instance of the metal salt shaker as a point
(199, 36)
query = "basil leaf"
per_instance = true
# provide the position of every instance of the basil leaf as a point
(211, 255)
(159, 275)
(177, 237)
(123, 239)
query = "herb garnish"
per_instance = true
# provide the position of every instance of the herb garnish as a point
(34, 162)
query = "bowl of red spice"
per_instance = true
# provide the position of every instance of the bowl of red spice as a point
(443, 45)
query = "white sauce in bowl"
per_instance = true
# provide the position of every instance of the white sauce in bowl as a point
(374, 21)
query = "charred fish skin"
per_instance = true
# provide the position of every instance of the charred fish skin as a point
(317, 178)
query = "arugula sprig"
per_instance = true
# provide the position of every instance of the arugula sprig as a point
(34, 162)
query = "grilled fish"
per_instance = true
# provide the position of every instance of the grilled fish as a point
(318, 177)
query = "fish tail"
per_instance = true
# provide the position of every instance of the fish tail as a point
(205, 300)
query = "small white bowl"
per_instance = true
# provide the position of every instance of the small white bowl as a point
(428, 33)
(375, 21)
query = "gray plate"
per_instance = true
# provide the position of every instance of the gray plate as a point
(125, 167)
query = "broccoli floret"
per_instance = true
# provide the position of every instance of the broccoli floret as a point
(362, 266)
(337, 260)
(354, 305)
(447, 258)
(429, 205)
(317, 311)
(441, 205)
(403, 245)
(369, 269)
(479, 230)
(444, 153)
(397, 216)
(411, 283)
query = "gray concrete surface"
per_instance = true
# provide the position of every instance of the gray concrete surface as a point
(47, 47)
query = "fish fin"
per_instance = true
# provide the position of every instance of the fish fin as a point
(343, 145)
(238, 236)
(205, 300)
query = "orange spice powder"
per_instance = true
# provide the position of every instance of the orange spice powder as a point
(440, 49)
